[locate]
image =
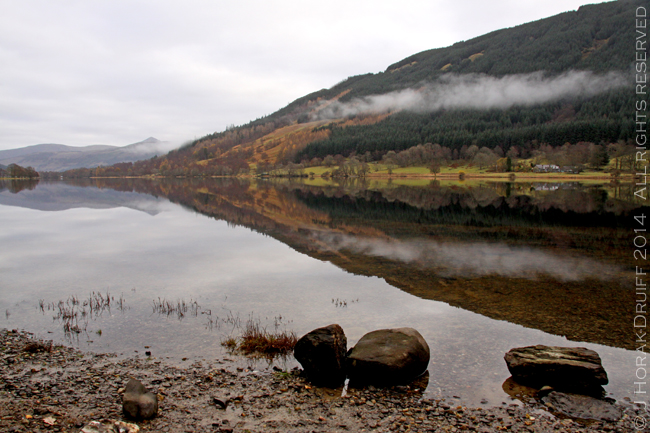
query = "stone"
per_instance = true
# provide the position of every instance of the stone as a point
(573, 369)
(107, 426)
(221, 402)
(582, 406)
(321, 353)
(544, 391)
(388, 357)
(137, 402)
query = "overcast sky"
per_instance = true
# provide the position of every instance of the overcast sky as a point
(115, 72)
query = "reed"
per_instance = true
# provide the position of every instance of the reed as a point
(74, 314)
(179, 308)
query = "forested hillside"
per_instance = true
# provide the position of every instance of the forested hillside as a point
(596, 38)
(563, 79)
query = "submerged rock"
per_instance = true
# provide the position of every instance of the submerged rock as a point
(582, 406)
(388, 356)
(137, 402)
(563, 368)
(321, 353)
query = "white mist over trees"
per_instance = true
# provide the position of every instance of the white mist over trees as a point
(479, 91)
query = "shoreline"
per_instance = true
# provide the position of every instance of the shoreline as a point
(506, 177)
(42, 384)
(501, 176)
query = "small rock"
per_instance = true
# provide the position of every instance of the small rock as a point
(544, 391)
(221, 402)
(137, 402)
(109, 427)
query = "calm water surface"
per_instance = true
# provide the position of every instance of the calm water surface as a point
(60, 241)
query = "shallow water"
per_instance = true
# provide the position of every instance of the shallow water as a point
(60, 241)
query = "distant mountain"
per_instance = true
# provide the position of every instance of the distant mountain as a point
(59, 157)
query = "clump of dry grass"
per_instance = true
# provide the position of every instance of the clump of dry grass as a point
(230, 343)
(256, 340)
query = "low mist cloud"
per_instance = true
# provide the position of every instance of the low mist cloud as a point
(151, 145)
(468, 259)
(480, 92)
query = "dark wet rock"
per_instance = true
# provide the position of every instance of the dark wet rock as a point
(321, 353)
(388, 356)
(582, 406)
(37, 346)
(573, 369)
(137, 402)
(221, 402)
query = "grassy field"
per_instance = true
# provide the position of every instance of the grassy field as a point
(381, 170)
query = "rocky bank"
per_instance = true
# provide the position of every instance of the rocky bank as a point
(46, 388)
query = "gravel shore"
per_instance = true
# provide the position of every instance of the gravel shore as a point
(45, 388)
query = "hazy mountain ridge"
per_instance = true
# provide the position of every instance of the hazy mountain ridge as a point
(59, 157)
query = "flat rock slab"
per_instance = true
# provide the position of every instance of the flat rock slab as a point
(321, 353)
(563, 368)
(582, 406)
(388, 356)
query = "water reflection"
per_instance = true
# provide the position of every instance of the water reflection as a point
(16, 185)
(61, 196)
(512, 253)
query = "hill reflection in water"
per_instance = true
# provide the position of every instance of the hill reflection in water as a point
(554, 257)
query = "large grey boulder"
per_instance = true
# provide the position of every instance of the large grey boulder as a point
(321, 353)
(137, 402)
(582, 406)
(564, 368)
(388, 356)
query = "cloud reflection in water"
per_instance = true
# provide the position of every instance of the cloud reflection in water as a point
(471, 259)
